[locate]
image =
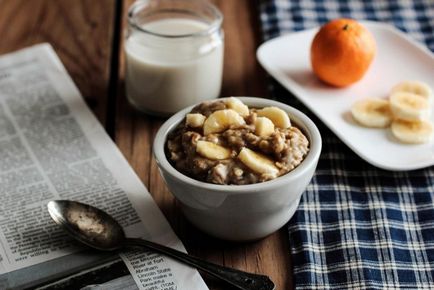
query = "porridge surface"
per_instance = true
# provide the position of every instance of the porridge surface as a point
(225, 142)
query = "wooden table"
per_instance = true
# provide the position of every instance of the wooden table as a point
(88, 37)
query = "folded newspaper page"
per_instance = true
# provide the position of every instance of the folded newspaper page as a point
(53, 147)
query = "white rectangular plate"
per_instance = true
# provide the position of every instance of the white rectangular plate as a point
(287, 59)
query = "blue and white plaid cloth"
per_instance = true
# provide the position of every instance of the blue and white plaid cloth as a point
(357, 226)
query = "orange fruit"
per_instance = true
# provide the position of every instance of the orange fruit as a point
(342, 51)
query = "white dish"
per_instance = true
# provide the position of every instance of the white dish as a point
(398, 58)
(240, 212)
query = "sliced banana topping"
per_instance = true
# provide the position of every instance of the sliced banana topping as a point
(257, 162)
(221, 120)
(278, 116)
(264, 127)
(409, 106)
(408, 111)
(195, 120)
(414, 87)
(238, 106)
(212, 151)
(412, 131)
(372, 112)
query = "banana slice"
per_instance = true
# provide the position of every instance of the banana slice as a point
(212, 151)
(264, 127)
(221, 120)
(238, 106)
(195, 120)
(414, 87)
(412, 131)
(257, 162)
(372, 112)
(278, 116)
(408, 106)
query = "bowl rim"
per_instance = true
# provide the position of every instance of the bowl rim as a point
(306, 124)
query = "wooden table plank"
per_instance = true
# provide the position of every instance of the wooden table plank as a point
(135, 131)
(80, 32)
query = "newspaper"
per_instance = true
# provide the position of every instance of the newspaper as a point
(53, 147)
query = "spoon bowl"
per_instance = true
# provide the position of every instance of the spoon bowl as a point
(97, 229)
(87, 224)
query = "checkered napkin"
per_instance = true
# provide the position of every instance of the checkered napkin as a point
(357, 226)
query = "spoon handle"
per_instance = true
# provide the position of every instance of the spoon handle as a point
(241, 280)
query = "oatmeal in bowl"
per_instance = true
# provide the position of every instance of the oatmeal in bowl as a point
(226, 142)
(238, 166)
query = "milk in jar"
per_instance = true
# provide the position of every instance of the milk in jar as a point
(173, 62)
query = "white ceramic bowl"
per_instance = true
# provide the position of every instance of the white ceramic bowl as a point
(241, 212)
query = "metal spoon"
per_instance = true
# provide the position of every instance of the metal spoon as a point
(101, 231)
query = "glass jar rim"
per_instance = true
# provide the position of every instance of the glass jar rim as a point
(213, 26)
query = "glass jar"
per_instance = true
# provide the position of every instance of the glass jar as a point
(174, 54)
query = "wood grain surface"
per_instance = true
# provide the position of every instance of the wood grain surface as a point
(88, 36)
(81, 33)
(135, 131)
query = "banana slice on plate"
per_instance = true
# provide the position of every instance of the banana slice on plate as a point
(264, 127)
(238, 106)
(195, 120)
(212, 151)
(414, 132)
(257, 162)
(409, 106)
(372, 112)
(221, 120)
(414, 87)
(278, 116)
